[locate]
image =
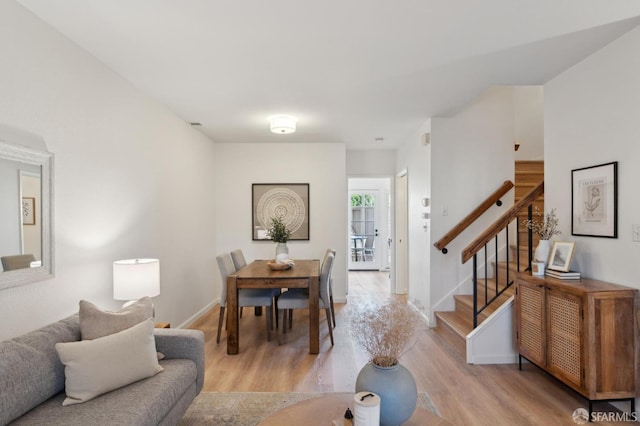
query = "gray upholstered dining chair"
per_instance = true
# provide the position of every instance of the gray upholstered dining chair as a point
(239, 262)
(306, 291)
(17, 261)
(300, 300)
(246, 296)
(333, 311)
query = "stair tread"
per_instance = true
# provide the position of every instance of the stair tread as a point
(467, 299)
(512, 265)
(456, 322)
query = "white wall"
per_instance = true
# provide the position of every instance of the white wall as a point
(528, 104)
(371, 163)
(472, 156)
(591, 117)
(415, 157)
(322, 166)
(131, 179)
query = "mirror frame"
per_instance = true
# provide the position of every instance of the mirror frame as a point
(43, 159)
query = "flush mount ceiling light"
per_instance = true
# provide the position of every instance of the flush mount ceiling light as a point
(283, 124)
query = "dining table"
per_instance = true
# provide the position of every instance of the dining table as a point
(305, 273)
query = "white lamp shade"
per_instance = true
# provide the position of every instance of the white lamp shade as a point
(136, 278)
(283, 124)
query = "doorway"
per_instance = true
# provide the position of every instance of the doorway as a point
(364, 214)
(402, 235)
(369, 210)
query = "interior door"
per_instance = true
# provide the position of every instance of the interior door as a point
(401, 284)
(365, 249)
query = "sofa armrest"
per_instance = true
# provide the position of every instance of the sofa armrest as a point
(180, 343)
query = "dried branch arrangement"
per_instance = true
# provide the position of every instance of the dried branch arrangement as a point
(384, 332)
(545, 227)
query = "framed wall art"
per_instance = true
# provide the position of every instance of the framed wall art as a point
(28, 211)
(287, 201)
(594, 201)
(561, 254)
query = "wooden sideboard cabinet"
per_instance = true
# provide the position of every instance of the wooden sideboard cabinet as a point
(582, 332)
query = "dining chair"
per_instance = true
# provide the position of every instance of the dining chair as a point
(357, 251)
(290, 300)
(306, 291)
(239, 262)
(18, 261)
(333, 310)
(246, 296)
(369, 248)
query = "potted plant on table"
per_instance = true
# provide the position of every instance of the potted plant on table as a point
(280, 234)
(385, 333)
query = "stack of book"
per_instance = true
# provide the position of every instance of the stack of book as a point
(570, 275)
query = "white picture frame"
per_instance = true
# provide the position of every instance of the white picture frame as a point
(561, 255)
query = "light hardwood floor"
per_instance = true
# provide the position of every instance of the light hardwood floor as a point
(464, 394)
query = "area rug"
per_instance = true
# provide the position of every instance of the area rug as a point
(249, 408)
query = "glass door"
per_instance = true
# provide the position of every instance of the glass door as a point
(363, 217)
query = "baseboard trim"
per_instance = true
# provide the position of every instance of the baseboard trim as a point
(198, 314)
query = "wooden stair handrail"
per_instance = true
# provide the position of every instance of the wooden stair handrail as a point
(502, 222)
(475, 214)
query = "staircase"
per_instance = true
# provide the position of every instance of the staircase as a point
(527, 175)
(454, 326)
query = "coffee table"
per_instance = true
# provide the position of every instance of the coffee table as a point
(329, 410)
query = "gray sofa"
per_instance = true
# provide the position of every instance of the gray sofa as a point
(32, 382)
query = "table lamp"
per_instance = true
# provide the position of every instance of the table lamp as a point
(135, 278)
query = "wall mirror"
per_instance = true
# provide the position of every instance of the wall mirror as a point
(26, 216)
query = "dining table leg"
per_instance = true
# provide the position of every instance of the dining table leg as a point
(233, 327)
(314, 315)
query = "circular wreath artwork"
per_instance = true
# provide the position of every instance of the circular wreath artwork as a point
(282, 203)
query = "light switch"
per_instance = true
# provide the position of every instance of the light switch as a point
(635, 236)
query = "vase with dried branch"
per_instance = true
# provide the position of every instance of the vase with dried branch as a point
(545, 227)
(386, 333)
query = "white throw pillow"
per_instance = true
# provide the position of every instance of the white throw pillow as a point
(95, 322)
(94, 367)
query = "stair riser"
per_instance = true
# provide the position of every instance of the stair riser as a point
(504, 278)
(451, 337)
(490, 290)
(463, 308)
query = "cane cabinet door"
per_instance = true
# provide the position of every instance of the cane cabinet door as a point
(564, 336)
(530, 336)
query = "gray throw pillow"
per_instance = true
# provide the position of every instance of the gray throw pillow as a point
(94, 322)
(94, 367)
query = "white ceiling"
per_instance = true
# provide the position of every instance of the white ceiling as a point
(350, 70)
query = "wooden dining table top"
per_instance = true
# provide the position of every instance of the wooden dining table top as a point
(257, 274)
(303, 268)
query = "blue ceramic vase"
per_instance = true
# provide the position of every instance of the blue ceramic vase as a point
(396, 388)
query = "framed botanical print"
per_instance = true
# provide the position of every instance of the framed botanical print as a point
(28, 211)
(286, 201)
(594, 201)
